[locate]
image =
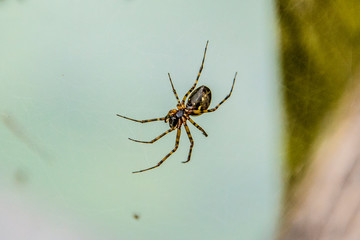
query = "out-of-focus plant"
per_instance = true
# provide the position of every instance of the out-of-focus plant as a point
(320, 50)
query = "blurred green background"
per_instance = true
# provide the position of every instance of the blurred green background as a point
(67, 67)
(320, 52)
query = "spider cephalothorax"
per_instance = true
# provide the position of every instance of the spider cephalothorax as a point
(197, 104)
(176, 117)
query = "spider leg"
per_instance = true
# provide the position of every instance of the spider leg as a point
(198, 127)
(177, 98)
(142, 121)
(191, 142)
(155, 139)
(198, 76)
(168, 155)
(217, 106)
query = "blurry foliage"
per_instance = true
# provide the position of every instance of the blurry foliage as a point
(320, 50)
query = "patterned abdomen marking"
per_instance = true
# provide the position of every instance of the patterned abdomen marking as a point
(199, 99)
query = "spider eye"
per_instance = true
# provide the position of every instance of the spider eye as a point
(173, 121)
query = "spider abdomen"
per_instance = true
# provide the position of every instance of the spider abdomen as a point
(199, 99)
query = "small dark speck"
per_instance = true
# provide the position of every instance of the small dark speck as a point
(136, 216)
(21, 176)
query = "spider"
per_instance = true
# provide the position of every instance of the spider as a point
(197, 104)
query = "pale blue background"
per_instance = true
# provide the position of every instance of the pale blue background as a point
(67, 67)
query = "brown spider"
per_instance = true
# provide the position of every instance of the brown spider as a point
(197, 104)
